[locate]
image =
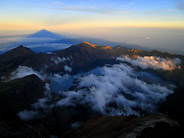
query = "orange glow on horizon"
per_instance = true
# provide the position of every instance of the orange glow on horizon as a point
(69, 27)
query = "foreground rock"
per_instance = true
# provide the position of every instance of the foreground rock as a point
(15, 96)
(128, 127)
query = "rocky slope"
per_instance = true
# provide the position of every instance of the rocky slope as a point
(15, 96)
(127, 127)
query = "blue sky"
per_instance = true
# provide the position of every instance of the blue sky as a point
(65, 14)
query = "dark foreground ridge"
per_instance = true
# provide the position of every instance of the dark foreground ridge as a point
(16, 96)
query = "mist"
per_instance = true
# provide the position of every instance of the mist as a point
(164, 39)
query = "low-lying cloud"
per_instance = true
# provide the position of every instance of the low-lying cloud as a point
(23, 71)
(58, 60)
(153, 62)
(35, 112)
(29, 115)
(67, 68)
(118, 91)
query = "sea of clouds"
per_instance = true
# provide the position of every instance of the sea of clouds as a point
(118, 89)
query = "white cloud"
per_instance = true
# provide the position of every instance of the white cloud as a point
(67, 68)
(153, 62)
(93, 9)
(42, 103)
(118, 91)
(57, 3)
(23, 71)
(29, 115)
(58, 60)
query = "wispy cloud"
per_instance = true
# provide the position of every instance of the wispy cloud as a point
(93, 9)
(180, 5)
(57, 3)
(124, 12)
(84, 9)
(160, 11)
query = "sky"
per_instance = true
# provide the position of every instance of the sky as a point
(150, 23)
(75, 14)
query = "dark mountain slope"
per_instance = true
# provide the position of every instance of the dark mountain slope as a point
(16, 53)
(16, 96)
(19, 94)
(126, 127)
(21, 56)
(175, 104)
(85, 56)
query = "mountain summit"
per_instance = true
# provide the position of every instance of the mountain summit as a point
(46, 34)
(17, 52)
(88, 44)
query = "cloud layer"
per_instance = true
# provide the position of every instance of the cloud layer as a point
(153, 62)
(118, 91)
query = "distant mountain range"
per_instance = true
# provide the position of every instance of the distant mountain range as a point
(83, 56)
(46, 41)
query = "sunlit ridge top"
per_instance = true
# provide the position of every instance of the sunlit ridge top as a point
(92, 45)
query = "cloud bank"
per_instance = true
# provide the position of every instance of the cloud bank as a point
(153, 62)
(118, 91)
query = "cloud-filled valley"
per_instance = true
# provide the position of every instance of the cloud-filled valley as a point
(118, 91)
(109, 90)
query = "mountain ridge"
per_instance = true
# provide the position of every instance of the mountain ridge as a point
(19, 94)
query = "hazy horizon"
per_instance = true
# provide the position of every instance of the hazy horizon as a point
(170, 40)
(150, 24)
